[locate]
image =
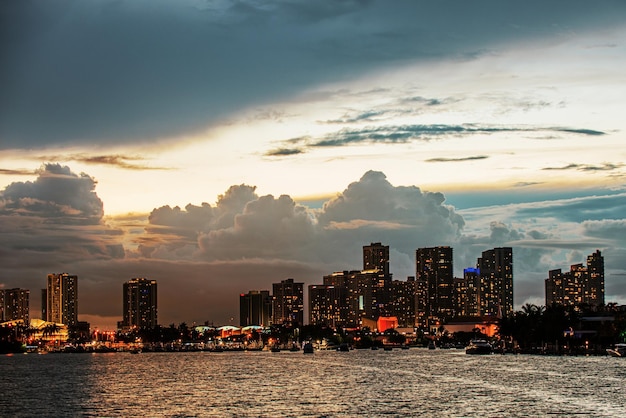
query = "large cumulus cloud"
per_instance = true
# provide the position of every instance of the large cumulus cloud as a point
(243, 225)
(58, 216)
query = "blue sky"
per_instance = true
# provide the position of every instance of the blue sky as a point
(220, 146)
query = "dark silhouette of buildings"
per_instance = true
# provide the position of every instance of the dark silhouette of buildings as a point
(139, 304)
(288, 303)
(255, 308)
(435, 286)
(582, 285)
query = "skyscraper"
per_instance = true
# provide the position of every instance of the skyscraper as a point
(435, 284)
(62, 299)
(255, 308)
(327, 305)
(496, 282)
(140, 303)
(595, 281)
(582, 285)
(288, 303)
(14, 304)
(376, 257)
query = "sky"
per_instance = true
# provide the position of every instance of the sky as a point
(222, 146)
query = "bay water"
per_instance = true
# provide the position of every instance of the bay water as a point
(358, 383)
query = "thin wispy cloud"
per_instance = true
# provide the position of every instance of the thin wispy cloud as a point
(126, 162)
(16, 172)
(587, 167)
(456, 160)
(402, 134)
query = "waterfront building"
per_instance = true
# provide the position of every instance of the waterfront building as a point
(255, 308)
(582, 285)
(434, 269)
(327, 305)
(14, 304)
(376, 257)
(61, 298)
(288, 302)
(496, 282)
(467, 293)
(402, 301)
(139, 304)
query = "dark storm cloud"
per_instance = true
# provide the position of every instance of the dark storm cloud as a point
(114, 71)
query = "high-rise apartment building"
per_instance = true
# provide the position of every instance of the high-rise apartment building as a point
(467, 293)
(496, 282)
(402, 301)
(327, 305)
(62, 299)
(376, 257)
(288, 303)
(582, 285)
(595, 282)
(434, 274)
(255, 308)
(14, 304)
(139, 303)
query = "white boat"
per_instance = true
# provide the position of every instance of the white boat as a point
(618, 351)
(478, 347)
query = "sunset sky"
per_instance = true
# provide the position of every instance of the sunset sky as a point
(220, 146)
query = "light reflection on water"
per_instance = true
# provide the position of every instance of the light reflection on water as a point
(325, 384)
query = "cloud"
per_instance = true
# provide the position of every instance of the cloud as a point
(57, 195)
(402, 134)
(587, 167)
(16, 172)
(59, 216)
(119, 161)
(455, 160)
(282, 152)
(115, 72)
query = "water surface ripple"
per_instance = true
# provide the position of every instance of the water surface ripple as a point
(326, 384)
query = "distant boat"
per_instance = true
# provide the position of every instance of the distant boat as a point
(343, 347)
(275, 349)
(618, 351)
(388, 348)
(308, 348)
(432, 345)
(479, 347)
(135, 350)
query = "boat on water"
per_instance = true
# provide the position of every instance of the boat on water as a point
(432, 345)
(478, 347)
(619, 350)
(308, 348)
(343, 347)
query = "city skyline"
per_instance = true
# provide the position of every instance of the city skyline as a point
(225, 146)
